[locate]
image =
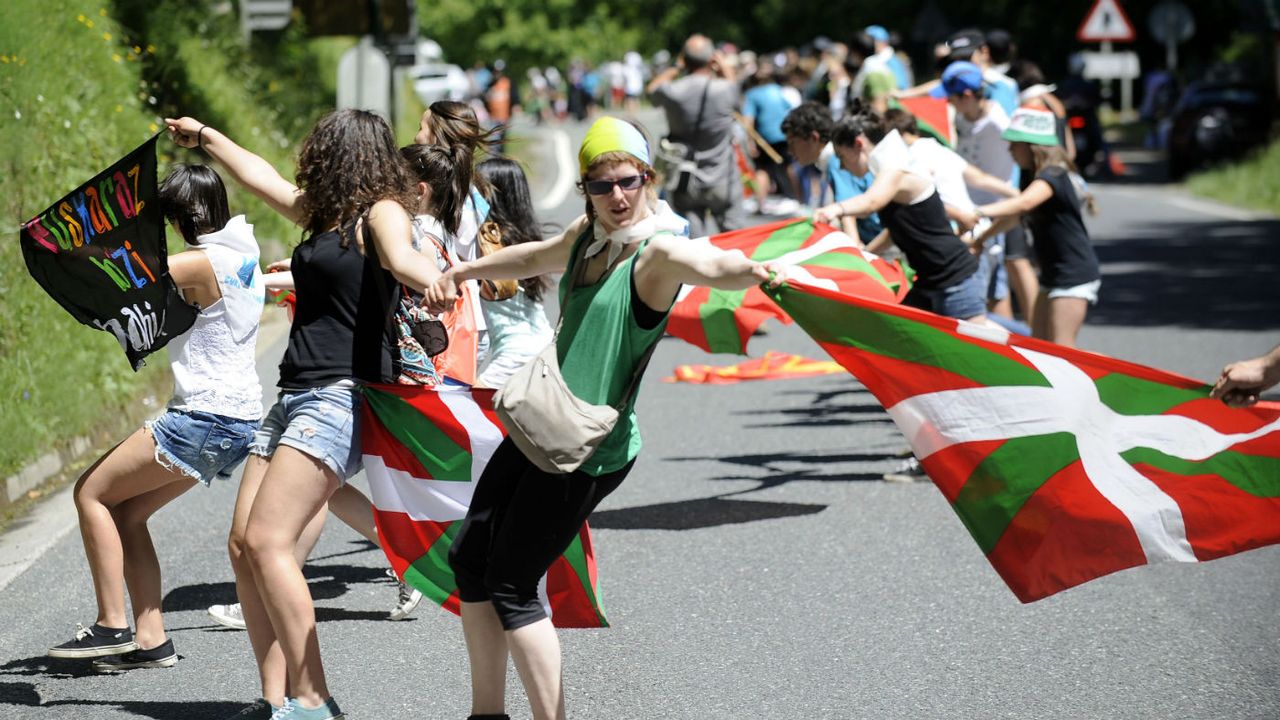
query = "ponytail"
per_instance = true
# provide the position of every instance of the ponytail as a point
(448, 177)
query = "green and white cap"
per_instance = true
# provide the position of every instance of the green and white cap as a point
(1032, 125)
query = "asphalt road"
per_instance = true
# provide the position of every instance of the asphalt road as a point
(754, 565)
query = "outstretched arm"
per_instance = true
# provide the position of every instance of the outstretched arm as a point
(877, 196)
(1242, 382)
(251, 171)
(512, 262)
(1033, 197)
(391, 231)
(669, 262)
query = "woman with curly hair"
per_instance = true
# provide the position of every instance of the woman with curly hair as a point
(351, 201)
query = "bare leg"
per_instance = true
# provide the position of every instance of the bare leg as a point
(1002, 307)
(141, 566)
(1024, 283)
(266, 649)
(126, 471)
(295, 487)
(1040, 324)
(487, 650)
(536, 652)
(1066, 315)
(353, 508)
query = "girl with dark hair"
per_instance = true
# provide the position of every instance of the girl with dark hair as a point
(628, 263)
(444, 180)
(352, 201)
(911, 209)
(454, 126)
(518, 327)
(204, 433)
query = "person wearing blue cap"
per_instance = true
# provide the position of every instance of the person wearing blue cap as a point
(885, 53)
(624, 262)
(979, 124)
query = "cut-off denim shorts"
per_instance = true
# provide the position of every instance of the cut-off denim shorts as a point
(322, 422)
(201, 445)
(963, 300)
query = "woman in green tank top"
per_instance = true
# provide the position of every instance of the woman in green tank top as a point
(521, 518)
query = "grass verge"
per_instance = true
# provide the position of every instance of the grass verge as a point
(1253, 182)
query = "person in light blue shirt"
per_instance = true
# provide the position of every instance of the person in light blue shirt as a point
(765, 106)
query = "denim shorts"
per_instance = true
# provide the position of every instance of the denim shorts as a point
(201, 445)
(322, 422)
(1085, 291)
(965, 299)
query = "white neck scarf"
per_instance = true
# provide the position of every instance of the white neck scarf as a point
(661, 218)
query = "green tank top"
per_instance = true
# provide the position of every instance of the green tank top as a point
(599, 346)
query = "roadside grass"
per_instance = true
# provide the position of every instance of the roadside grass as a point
(82, 82)
(71, 101)
(1254, 182)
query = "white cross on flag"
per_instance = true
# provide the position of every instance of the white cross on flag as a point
(1064, 465)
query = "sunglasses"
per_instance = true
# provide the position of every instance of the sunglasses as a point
(605, 187)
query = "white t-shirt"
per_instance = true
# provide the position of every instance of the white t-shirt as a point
(979, 142)
(947, 169)
(892, 153)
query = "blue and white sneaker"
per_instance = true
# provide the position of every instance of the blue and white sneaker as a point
(293, 710)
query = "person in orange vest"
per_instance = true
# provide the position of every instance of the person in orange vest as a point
(501, 101)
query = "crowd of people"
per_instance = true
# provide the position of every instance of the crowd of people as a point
(399, 242)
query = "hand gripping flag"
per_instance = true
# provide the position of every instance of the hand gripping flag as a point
(723, 320)
(100, 252)
(1064, 465)
(424, 449)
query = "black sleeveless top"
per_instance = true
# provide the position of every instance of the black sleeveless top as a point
(340, 325)
(923, 233)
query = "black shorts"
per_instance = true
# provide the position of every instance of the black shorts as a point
(1017, 244)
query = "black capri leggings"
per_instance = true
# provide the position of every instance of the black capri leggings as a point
(521, 519)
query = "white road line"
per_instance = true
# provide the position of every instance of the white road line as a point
(1212, 208)
(565, 166)
(28, 538)
(1207, 207)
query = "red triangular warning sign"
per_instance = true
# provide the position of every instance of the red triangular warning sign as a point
(1106, 22)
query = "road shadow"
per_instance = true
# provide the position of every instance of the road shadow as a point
(162, 709)
(47, 667)
(326, 582)
(698, 514)
(1213, 274)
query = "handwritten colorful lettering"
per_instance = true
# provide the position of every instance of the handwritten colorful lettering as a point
(100, 253)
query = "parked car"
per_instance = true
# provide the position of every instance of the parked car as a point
(1216, 119)
(439, 81)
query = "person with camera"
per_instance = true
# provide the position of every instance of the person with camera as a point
(699, 95)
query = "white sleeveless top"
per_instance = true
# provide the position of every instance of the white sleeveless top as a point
(213, 363)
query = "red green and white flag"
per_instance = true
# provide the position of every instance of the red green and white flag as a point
(424, 449)
(1064, 465)
(773, 366)
(722, 321)
(934, 116)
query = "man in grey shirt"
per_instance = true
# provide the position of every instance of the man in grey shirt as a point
(699, 109)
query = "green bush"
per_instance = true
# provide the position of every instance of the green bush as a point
(81, 84)
(1253, 182)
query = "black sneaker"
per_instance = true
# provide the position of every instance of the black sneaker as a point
(162, 655)
(95, 641)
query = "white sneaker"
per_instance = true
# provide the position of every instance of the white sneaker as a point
(909, 471)
(407, 598)
(227, 615)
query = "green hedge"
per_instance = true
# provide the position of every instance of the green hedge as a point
(81, 83)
